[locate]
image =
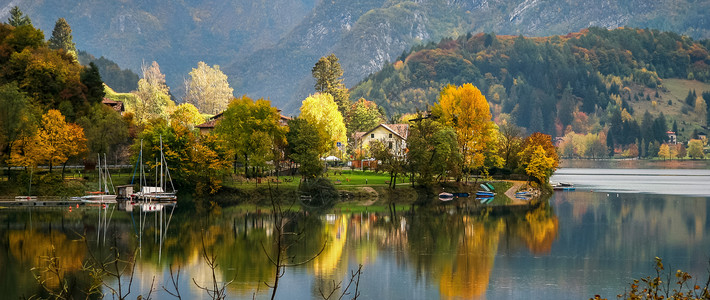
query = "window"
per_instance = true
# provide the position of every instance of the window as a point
(372, 135)
(390, 145)
(390, 135)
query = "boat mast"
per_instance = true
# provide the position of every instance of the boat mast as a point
(162, 159)
(142, 172)
(108, 176)
(98, 167)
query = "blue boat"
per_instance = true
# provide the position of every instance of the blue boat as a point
(482, 193)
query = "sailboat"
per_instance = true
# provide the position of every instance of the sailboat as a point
(159, 192)
(106, 192)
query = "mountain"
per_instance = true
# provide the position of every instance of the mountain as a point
(177, 34)
(268, 48)
(548, 83)
(367, 34)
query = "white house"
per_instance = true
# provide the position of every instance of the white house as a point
(393, 136)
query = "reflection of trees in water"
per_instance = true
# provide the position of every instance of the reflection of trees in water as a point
(456, 250)
(632, 220)
(459, 250)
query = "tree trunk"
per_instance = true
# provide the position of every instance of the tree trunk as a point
(246, 166)
(64, 166)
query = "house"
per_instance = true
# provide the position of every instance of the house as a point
(672, 137)
(208, 126)
(115, 105)
(394, 136)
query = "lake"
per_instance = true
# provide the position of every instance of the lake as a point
(594, 240)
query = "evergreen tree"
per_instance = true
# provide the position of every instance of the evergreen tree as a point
(61, 37)
(91, 78)
(690, 99)
(18, 18)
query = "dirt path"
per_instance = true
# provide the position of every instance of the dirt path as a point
(511, 192)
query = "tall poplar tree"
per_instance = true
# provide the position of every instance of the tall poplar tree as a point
(208, 89)
(328, 75)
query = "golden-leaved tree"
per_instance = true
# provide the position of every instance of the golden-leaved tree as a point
(54, 143)
(539, 164)
(321, 110)
(466, 110)
(531, 155)
(186, 115)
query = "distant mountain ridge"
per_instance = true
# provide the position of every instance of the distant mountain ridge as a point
(268, 48)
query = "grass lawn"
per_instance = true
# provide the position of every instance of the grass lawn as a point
(346, 177)
(677, 90)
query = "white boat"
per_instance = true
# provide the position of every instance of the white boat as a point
(164, 190)
(106, 193)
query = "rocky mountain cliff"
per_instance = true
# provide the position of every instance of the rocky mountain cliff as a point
(268, 48)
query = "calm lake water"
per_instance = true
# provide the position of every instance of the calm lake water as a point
(594, 240)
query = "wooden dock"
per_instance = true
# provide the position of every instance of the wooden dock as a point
(38, 202)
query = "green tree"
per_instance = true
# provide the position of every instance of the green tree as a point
(249, 129)
(328, 73)
(91, 78)
(62, 38)
(433, 151)
(18, 18)
(363, 116)
(208, 89)
(509, 141)
(695, 149)
(153, 95)
(16, 118)
(320, 109)
(389, 160)
(105, 129)
(305, 144)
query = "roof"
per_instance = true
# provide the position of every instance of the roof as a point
(212, 121)
(401, 130)
(116, 105)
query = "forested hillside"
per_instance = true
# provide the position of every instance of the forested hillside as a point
(547, 84)
(268, 47)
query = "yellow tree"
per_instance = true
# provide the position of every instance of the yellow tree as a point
(528, 156)
(60, 140)
(321, 110)
(539, 164)
(695, 149)
(186, 115)
(466, 110)
(664, 152)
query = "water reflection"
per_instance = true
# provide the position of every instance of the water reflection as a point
(574, 246)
